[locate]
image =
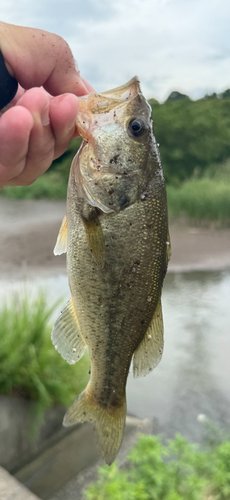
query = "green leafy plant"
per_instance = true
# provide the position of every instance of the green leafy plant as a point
(29, 365)
(176, 470)
(221, 472)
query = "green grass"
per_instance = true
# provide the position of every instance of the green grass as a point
(201, 200)
(29, 365)
(176, 470)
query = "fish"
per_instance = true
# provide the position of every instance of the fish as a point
(116, 237)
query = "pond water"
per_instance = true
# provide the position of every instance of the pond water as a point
(191, 383)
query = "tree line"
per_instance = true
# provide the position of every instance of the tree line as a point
(192, 135)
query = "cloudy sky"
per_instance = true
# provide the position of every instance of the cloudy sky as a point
(170, 44)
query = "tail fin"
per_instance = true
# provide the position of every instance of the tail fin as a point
(108, 423)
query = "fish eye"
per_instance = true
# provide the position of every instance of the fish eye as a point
(136, 127)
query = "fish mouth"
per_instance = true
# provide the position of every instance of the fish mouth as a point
(101, 103)
(125, 92)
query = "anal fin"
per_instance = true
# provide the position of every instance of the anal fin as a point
(149, 352)
(66, 336)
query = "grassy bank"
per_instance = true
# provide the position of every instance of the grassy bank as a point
(29, 365)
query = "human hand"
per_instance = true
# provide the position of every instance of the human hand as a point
(36, 128)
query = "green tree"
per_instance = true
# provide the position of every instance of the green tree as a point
(192, 135)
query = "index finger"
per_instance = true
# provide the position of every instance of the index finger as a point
(39, 58)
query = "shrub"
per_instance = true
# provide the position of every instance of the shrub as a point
(176, 470)
(156, 471)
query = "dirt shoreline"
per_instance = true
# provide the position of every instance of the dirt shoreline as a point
(29, 230)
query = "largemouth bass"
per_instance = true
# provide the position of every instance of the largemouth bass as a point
(116, 236)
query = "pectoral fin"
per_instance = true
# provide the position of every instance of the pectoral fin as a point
(61, 244)
(95, 238)
(149, 352)
(66, 336)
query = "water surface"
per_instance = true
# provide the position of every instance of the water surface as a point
(193, 376)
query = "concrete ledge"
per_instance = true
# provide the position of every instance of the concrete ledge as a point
(17, 444)
(11, 489)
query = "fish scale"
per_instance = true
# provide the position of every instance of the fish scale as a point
(115, 235)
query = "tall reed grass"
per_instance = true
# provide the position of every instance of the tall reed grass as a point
(201, 200)
(29, 365)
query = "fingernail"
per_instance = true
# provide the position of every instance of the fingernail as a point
(45, 119)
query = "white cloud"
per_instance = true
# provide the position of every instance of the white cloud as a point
(171, 44)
